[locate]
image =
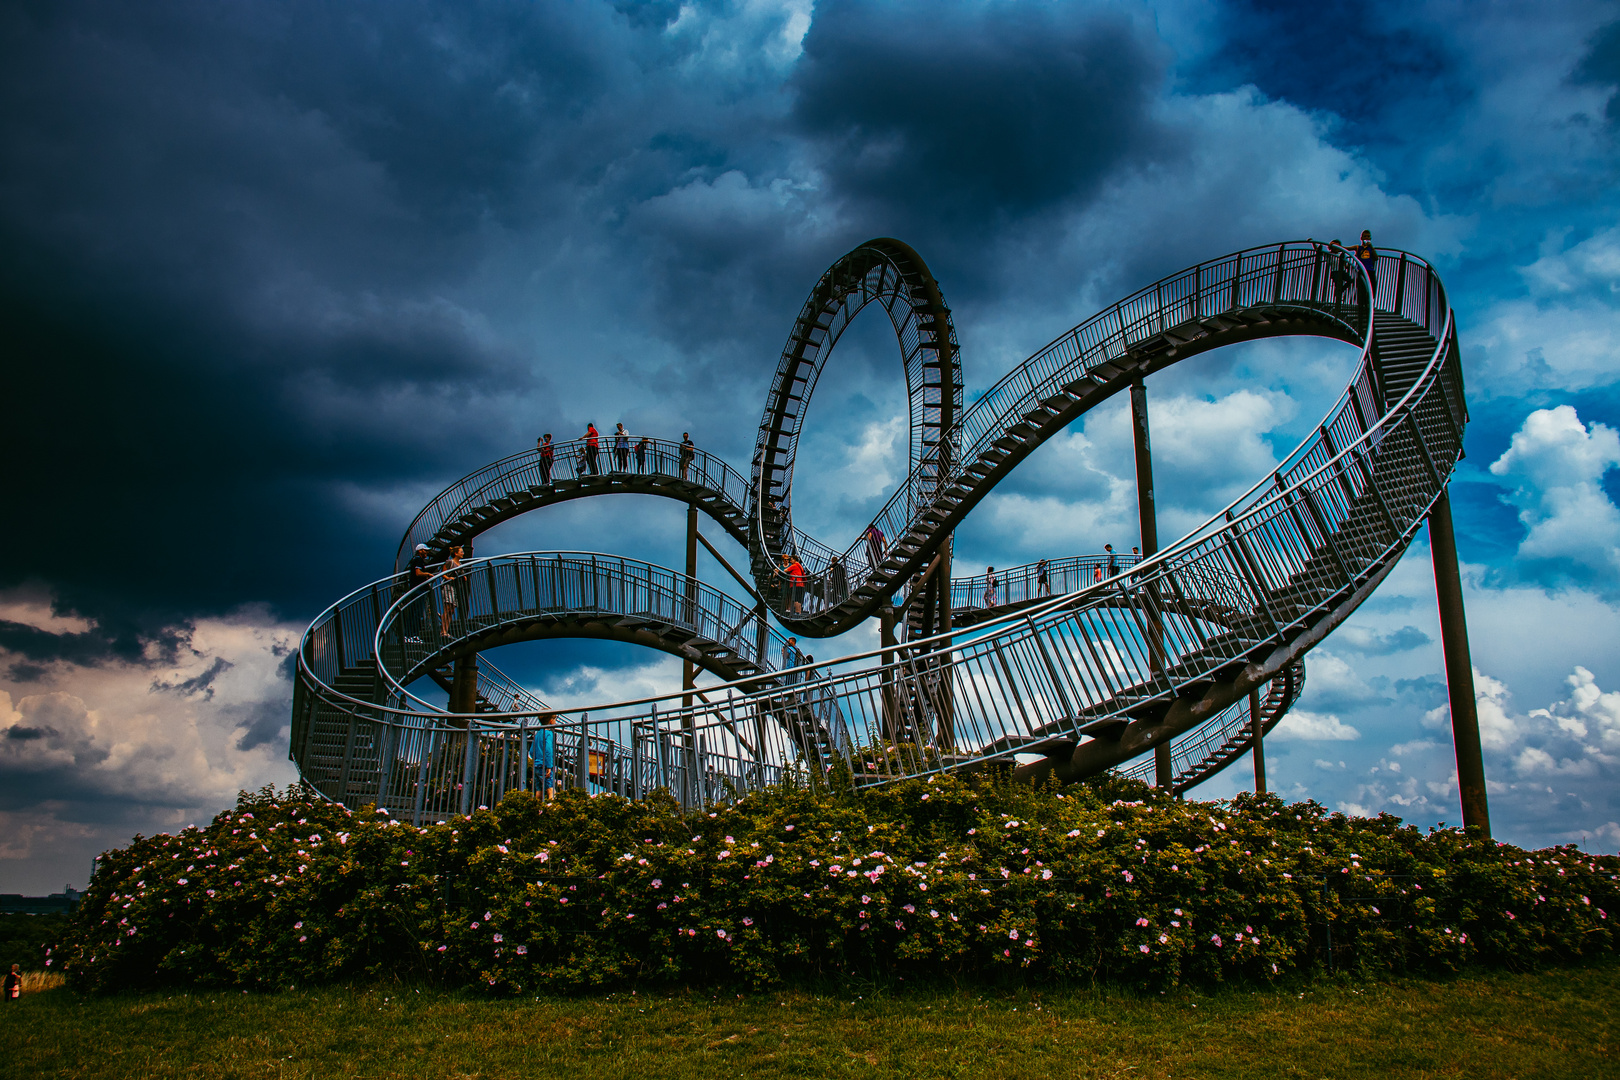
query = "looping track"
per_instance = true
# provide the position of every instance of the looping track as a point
(1168, 648)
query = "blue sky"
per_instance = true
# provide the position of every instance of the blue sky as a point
(274, 275)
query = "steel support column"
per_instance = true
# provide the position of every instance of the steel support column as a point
(1459, 667)
(1257, 734)
(464, 687)
(1163, 763)
(689, 669)
(945, 737)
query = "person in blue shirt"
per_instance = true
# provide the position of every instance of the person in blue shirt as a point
(543, 752)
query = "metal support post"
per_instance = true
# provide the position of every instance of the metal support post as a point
(1147, 515)
(584, 763)
(1459, 667)
(689, 669)
(464, 687)
(887, 641)
(1257, 736)
(946, 736)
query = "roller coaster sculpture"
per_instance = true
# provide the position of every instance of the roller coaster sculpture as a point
(1192, 651)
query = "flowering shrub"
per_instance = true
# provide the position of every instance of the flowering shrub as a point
(950, 876)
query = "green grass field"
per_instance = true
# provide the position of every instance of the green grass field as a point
(1555, 1023)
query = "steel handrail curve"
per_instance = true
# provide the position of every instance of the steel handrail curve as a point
(683, 601)
(517, 473)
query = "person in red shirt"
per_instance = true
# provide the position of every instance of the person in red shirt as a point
(795, 573)
(593, 444)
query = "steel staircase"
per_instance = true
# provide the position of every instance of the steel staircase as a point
(1170, 647)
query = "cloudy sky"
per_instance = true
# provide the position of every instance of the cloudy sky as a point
(273, 275)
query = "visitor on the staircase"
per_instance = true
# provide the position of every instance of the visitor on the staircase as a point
(688, 452)
(448, 590)
(791, 658)
(875, 545)
(543, 753)
(420, 569)
(1367, 255)
(795, 577)
(641, 454)
(1043, 583)
(548, 454)
(837, 582)
(621, 448)
(990, 583)
(593, 446)
(1113, 560)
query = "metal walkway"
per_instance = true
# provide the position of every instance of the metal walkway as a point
(1170, 647)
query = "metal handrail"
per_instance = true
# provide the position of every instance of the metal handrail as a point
(523, 473)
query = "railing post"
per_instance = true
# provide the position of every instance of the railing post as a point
(1400, 285)
(469, 769)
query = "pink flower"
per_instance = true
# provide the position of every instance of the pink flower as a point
(499, 939)
(910, 909)
(1141, 922)
(721, 934)
(865, 899)
(748, 921)
(1164, 938)
(1013, 934)
(1216, 938)
(443, 947)
(898, 925)
(523, 950)
(1128, 877)
(1144, 948)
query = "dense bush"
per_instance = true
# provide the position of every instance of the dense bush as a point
(946, 877)
(25, 939)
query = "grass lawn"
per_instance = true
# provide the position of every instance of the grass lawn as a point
(1556, 1023)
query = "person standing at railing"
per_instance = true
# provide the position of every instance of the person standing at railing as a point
(1113, 560)
(543, 753)
(641, 454)
(1043, 583)
(990, 583)
(419, 570)
(876, 545)
(837, 582)
(593, 446)
(688, 452)
(548, 455)
(791, 658)
(448, 589)
(794, 570)
(1367, 255)
(621, 448)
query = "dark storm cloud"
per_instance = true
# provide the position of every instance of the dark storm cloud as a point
(1378, 75)
(941, 118)
(1600, 66)
(227, 237)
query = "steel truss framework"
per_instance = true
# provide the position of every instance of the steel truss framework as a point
(1070, 677)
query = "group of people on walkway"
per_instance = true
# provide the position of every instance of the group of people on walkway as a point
(588, 454)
